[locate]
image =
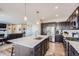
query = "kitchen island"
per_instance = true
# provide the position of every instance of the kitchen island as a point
(31, 46)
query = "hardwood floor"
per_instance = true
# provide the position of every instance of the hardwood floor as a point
(55, 49)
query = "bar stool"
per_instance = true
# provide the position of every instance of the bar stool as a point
(12, 50)
(1, 41)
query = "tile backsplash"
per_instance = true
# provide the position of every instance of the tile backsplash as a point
(71, 32)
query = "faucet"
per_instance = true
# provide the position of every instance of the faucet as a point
(36, 33)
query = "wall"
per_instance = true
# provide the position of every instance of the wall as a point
(33, 29)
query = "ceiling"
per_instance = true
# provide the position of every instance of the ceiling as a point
(55, 12)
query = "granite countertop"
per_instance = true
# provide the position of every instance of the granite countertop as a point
(29, 41)
(75, 45)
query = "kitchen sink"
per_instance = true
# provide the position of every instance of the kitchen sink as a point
(38, 38)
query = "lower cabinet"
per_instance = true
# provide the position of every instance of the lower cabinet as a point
(72, 51)
(37, 50)
(66, 46)
(41, 48)
(69, 49)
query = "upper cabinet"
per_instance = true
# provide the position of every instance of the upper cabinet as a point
(64, 25)
(74, 19)
(2, 25)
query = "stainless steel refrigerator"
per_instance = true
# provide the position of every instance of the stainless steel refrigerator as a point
(51, 33)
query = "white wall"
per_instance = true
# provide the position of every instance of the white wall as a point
(36, 29)
(33, 29)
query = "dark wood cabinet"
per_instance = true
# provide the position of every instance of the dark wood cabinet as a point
(69, 49)
(74, 19)
(41, 48)
(66, 46)
(47, 44)
(78, 21)
(37, 50)
(72, 51)
(2, 25)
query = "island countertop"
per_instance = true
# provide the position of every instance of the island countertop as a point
(29, 41)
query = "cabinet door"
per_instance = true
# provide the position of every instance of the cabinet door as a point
(66, 47)
(78, 21)
(72, 51)
(43, 47)
(47, 44)
(38, 50)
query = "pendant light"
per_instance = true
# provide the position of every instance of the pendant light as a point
(76, 12)
(37, 12)
(25, 17)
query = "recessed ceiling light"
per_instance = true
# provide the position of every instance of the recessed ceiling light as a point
(57, 15)
(56, 7)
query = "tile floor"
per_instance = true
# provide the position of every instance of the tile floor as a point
(5, 50)
(55, 49)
